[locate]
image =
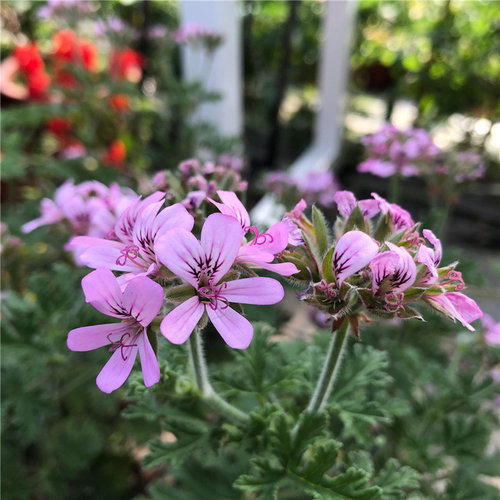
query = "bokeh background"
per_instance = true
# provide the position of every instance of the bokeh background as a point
(121, 111)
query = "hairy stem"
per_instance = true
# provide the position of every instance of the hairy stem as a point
(330, 369)
(200, 372)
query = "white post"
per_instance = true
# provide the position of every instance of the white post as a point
(223, 75)
(329, 121)
(332, 79)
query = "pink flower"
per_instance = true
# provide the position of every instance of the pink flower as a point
(261, 250)
(134, 237)
(430, 257)
(492, 333)
(401, 219)
(203, 265)
(393, 271)
(50, 215)
(456, 306)
(137, 305)
(346, 203)
(91, 208)
(353, 251)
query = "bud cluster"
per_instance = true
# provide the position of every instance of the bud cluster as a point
(194, 180)
(380, 265)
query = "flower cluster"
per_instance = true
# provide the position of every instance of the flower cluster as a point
(74, 67)
(198, 35)
(89, 208)
(314, 187)
(150, 243)
(391, 151)
(380, 265)
(54, 8)
(194, 180)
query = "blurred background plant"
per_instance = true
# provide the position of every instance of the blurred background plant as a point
(92, 91)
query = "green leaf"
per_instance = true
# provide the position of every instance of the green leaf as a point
(326, 266)
(320, 230)
(356, 221)
(396, 480)
(180, 293)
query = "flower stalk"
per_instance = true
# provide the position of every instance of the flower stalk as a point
(330, 369)
(208, 393)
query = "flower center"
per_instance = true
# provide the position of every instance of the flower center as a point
(212, 294)
(129, 252)
(121, 344)
(455, 279)
(393, 302)
(259, 239)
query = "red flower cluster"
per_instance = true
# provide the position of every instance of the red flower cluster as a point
(31, 65)
(69, 50)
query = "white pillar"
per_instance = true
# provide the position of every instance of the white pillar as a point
(332, 80)
(329, 121)
(224, 74)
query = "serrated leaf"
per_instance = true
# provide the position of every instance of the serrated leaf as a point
(396, 480)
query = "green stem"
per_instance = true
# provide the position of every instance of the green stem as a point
(330, 369)
(200, 372)
(394, 188)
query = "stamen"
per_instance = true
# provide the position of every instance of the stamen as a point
(120, 344)
(259, 239)
(455, 280)
(393, 302)
(111, 235)
(129, 252)
(213, 294)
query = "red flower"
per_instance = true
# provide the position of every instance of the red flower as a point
(60, 127)
(119, 102)
(68, 49)
(126, 63)
(38, 84)
(29, 58)
(89, 55)
(31, 64)
(115, 155)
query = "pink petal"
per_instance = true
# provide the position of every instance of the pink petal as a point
(346, 202)
(142, 299)
(88, 338)
(456, 305)
(117, 370)
(277, 239)
(436, 243)
(103, 291)
(181, 252)
(170, 217)
(149, 363)
(236, 330)
(221, 239)
(468, 308)
(262, 291)
(178, 324)
(353, 251)
(232, 206)
(106, 253)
